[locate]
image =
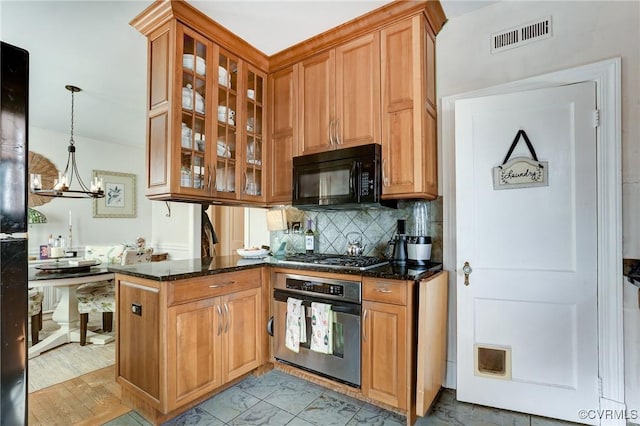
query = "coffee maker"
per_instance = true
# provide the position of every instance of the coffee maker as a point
(399, 243)
(419, 244)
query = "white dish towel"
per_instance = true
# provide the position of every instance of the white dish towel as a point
(296, 331)
(321, 328)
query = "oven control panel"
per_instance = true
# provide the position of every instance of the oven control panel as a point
(320, 287)
(315, 287)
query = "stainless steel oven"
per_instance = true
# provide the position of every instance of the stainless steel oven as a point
(345, 299)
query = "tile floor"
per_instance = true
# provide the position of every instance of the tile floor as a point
(277, 398)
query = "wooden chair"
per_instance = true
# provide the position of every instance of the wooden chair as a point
(35, 312)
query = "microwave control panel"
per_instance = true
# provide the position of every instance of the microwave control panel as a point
(366, 184)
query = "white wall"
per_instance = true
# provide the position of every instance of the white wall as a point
(90, 155)
(177, 234)
(583, 32)
(256, 233)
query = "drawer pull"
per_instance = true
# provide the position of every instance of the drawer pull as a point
(384, 290)
(222, 284)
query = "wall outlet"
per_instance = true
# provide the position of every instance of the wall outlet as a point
(136, 309)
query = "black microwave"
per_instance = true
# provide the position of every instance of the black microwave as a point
(347, 178)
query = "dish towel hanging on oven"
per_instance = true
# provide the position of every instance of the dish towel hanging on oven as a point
(321, 328)
(296, 331)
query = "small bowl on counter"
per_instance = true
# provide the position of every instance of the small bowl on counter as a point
(253, 253)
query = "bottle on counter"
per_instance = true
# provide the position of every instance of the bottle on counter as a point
(309, 238)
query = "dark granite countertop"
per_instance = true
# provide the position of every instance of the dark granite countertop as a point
(172, 270)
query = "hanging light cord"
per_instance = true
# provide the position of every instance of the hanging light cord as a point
(72, 147)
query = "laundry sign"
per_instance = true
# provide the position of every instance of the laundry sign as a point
(520, 172)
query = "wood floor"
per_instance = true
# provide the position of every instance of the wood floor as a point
(91, 399)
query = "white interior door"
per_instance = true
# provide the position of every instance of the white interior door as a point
(527, 321)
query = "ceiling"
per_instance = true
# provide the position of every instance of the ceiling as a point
(90, 44)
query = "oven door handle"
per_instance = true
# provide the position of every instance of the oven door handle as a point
(270, 327)
(349, 310)
(353, 182)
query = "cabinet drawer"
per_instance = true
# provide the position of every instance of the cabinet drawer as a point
(212, 285)
(385, 291)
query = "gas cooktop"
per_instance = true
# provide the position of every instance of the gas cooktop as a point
(337, 261)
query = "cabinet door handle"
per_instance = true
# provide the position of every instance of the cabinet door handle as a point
(384, 290)
(331, 141)
(337, 131)
(219, 319)
(209, 180)
(364, 325)
(226, 325)
(385, 181)
(215, 178)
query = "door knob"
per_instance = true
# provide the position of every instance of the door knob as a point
(467, 270)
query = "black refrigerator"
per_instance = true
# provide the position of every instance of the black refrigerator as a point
(14, 79)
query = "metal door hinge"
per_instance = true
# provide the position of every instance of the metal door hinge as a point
(600, 386)
(596, 118)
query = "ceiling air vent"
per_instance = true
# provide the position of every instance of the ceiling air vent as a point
(521, 35)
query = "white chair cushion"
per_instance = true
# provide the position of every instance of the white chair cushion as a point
(106, 254)
(131, 256)
(97, 297)
(35, 302)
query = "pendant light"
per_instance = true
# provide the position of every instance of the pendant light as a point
(62, 185)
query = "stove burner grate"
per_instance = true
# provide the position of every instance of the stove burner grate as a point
(336, 261)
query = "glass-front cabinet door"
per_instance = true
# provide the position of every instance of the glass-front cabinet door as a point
(227, 120)
(254, 134)
(193, 135)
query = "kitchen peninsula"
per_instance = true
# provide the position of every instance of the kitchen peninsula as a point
(187, 329)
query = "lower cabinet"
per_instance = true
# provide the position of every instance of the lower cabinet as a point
(213, 341)
(191, 337)
(404, 342)
(384, 341)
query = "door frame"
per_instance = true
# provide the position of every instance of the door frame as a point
(607, 76)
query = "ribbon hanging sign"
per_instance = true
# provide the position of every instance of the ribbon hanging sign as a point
(520, 172)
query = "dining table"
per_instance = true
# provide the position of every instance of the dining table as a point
(66, 279)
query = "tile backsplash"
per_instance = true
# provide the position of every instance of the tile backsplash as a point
(377, 227)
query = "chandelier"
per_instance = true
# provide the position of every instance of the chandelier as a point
(62, 185)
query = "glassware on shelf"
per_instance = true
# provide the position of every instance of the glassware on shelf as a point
(185, 177)
(187, 96)
(186, 136)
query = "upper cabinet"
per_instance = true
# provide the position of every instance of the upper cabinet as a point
(339, 96)
(206, 117)
(409, 143)
(225, 120)
(283, 125)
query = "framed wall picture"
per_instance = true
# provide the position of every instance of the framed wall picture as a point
(120, 195)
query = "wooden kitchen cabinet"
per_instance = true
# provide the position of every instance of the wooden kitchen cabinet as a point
(138, 345)
(206, 132)
(404, 341)
(212, 341)
(409, 142)
(283, 103)
(192, 337)
(253, 136)
(384, 341)
(339, 96)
